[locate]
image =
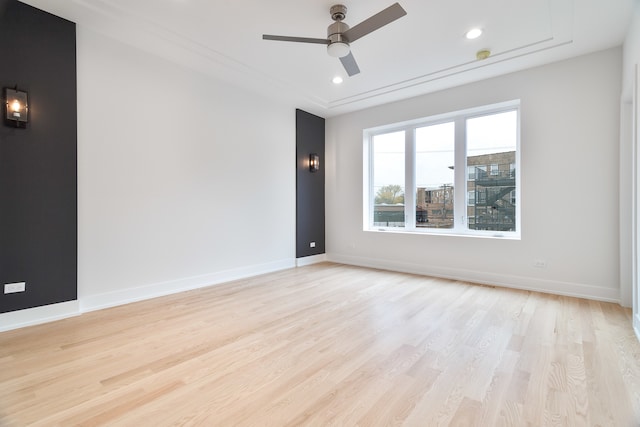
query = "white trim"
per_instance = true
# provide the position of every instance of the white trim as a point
(126, 296)
(309, 260)
(37, 315)
(486, 278)
(636, 326)
(635, 274)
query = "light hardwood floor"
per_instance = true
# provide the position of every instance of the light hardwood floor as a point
(329, 345)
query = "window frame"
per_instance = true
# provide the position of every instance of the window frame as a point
(461, 226)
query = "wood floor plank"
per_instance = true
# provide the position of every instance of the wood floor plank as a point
(329, 344)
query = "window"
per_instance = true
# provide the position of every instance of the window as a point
(388, 179)
(412, 172)
(492, 139)
(434, 157)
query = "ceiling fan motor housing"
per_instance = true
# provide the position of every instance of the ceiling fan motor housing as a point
(335, 30)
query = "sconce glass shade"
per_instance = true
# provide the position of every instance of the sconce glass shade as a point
(314, 162)
(17, 106)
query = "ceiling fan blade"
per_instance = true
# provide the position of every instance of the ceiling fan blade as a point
(294, 39)
(378, 20)
(350, 65)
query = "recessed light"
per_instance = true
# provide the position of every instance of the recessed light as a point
(473, 33)
(337, 80)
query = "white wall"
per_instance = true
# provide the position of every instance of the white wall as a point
(569, 146)
(183, 181)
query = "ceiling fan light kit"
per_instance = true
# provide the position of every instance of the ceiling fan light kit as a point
(338, 49)
(339, 35)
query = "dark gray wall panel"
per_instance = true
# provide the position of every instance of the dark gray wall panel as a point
(309, 186)
(38, 173)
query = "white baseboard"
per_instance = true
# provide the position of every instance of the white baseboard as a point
(49, 313)
(37, 315)
(309, 260)
(485, 278)
(126, 296)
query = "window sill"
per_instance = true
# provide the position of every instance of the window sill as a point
(447, 233)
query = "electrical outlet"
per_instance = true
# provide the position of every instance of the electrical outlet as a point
(540, 263)
(312, 244)
(12, 288)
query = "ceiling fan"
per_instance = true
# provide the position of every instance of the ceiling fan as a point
(339, 35)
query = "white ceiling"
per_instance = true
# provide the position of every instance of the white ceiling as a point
(419, 53)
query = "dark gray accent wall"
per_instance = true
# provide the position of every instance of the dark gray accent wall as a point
(38, 173)
(309, 186)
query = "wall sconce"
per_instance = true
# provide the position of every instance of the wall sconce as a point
(17, 110)
(314, 162)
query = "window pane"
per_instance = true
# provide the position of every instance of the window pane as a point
(388, 179)
(491, 146)
(435, 155)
